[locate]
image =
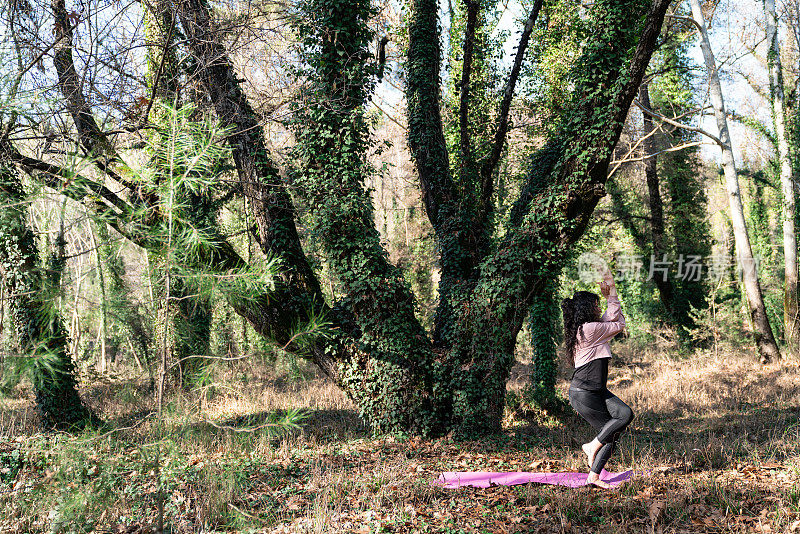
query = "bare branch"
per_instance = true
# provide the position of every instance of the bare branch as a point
(678, 124)
(91, 138)
(648, 156)
(389, 116)
(755, 124)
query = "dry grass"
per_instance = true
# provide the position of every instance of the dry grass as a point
(719, 436)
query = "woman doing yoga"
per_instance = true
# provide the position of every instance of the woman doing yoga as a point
(586, 336)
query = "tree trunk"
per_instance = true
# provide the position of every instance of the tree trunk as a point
(790, 305)
(32, 305)
(191, 329)
(689, 230)
(544, 323)
(664, 284)
(297, 294)
(765, 341)
(103, 332)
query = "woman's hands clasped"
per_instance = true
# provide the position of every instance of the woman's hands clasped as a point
(605, 288)
(607, 283)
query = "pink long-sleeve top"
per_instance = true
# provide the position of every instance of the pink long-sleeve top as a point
(594, 343)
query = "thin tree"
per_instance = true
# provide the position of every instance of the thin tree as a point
(185, 306)
(657, 235)
(765, 341)
(774, 66)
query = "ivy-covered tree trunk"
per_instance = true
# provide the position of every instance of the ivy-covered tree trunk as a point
(690, 231)
(791, 310)
(191, 329)
(121, 308)
(380, 355)
(543, 324)
(37, 322)
(392, 383)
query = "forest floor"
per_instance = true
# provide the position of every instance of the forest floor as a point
(714, 443)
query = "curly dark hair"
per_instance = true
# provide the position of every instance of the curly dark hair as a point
(577, 310)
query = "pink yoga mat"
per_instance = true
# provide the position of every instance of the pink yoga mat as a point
(484, 479)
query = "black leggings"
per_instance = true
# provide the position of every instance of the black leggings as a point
(607, 414)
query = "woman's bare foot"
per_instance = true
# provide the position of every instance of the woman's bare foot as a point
(594, 479)
(590, 449)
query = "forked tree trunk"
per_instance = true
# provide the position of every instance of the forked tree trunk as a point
(400, 379)
(765, 341)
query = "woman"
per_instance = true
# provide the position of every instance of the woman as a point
(586, 336)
